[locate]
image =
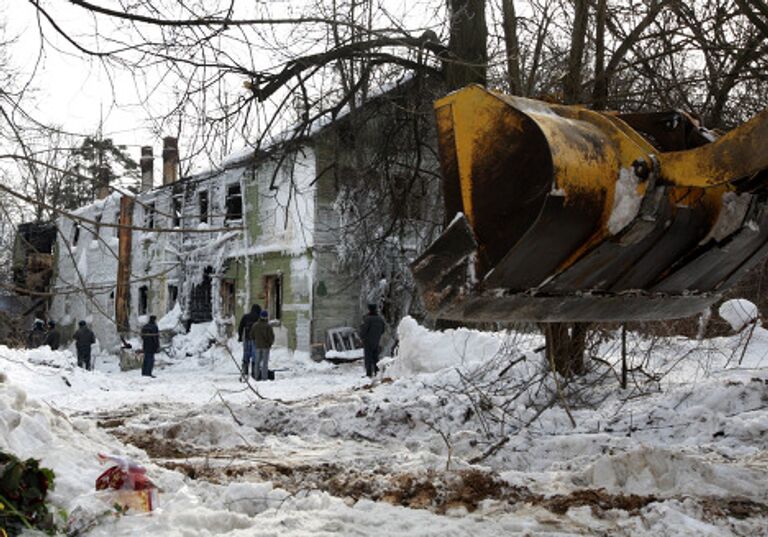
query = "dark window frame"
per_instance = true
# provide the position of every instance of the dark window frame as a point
(203, 205)
(234, 203)
(143, 298)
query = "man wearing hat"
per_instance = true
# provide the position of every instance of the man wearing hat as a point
(370, 332)
(150, 336)
(84, 338)
(52, 338)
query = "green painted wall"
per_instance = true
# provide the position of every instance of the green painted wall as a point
(293, 320)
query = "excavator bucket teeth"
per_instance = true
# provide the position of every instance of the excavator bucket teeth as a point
(568, 214)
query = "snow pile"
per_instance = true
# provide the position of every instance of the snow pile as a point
(203, 431)
(738, 313)
(425, 351)
(57, 359)
(667, 473)
(201, 337)
(312, 452)
(171, 321)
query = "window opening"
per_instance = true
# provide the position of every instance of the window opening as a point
(117, 221)
(173, 296)
(200, 303)
(234, 203)
(227, 291)
(149, 216)
(75, 233)
(273, 285)
(176, 209)
(143, 299)
(202, 198)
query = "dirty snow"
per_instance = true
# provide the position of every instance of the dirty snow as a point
(323, 451)
(626, 201)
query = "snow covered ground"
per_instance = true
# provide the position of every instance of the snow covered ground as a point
(464, 433)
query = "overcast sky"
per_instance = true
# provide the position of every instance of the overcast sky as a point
(76, 92)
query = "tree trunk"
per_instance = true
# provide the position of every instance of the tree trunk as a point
(513, 47)
(467, 57)
(565, 346)
(572, 82)
(600, 91)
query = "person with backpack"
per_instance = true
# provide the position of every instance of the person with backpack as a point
(244, 335)
(36, 336)
(263, 338)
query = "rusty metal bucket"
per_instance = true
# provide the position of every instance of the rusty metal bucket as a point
(564, 214)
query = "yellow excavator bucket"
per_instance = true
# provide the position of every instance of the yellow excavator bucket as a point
(565, 214)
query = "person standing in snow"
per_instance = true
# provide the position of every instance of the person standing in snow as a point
(37, 336)
(150, 337)
(244, 335)
(53, 338)
(370, 332)
(84, 338)
(263, 338)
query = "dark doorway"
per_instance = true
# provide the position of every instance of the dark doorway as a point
(273, 287)
(200, 303)
(143, 300)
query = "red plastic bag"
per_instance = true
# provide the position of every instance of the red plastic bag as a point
(136, 490)
(126, 474)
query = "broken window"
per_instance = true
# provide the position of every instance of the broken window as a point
(176, 207)
(227, 291)
(75, 233)
(173, 296)
(234, 203)
(149, 216)
(343, 339)
(273, 287)
(143, 299)
(202, 198)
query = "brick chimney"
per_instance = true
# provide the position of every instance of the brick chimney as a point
(147, 172)
(170, 160)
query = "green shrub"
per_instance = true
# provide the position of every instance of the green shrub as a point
(23, 488)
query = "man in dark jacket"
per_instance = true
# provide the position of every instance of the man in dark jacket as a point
(84, 338)
(244, 335)
(53, 338)
(37, 336)
(263, 338)
(370, 332)
(150, 337)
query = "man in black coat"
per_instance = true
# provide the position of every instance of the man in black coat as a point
(150, 337)
(370, 332)
(84, 338)
(244, 335)
(53, 338)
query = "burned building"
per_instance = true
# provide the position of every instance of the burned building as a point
(308, 228)
(33, 257)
